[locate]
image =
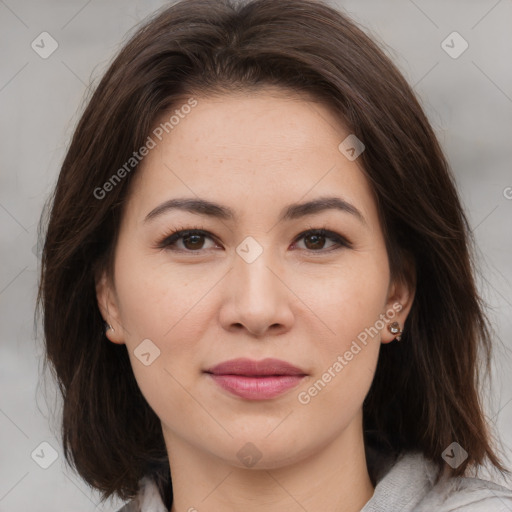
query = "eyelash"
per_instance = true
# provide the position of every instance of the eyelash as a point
(175, 235)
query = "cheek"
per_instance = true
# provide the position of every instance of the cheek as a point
(335, 397)
(153, 297)
(348, 298)
(161, 311)
(350, 312)
(346, 357)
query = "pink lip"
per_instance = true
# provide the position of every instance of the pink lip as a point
(256, 380)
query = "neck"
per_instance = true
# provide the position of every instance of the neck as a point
(334, 479)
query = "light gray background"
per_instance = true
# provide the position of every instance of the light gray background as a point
(467, 99)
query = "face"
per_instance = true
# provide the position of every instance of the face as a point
(255, 280)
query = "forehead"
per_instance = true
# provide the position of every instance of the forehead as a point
(269, 125)
(249, 151)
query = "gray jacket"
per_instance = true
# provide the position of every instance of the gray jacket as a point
(405, 486)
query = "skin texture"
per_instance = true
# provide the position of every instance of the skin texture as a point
(299, 300)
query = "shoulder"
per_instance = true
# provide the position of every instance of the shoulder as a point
(409, 484)
(129, 507)
(147, 499)
(468, 495)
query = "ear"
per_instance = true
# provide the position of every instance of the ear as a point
(400, 298)
(109, 308)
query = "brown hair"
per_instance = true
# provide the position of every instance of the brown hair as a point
(425, 392)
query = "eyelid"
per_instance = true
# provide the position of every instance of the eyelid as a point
(175, 235)
(342, 241)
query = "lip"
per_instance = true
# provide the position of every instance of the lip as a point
(256, 380)
(252, 368)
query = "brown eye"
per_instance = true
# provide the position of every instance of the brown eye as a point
(314, 240)
(193, 242)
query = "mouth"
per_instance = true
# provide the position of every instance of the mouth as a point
(256, 380)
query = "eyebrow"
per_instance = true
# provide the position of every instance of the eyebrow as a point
(291, 212)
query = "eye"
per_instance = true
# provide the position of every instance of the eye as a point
(193, 240)
(314, 240)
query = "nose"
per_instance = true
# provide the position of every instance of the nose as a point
(257, 298)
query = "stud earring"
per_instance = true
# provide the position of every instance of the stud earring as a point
(394, 328)
(110, 328)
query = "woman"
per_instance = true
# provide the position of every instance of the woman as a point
(257, 281)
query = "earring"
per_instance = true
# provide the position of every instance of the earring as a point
(110, 328)
(394, 328)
